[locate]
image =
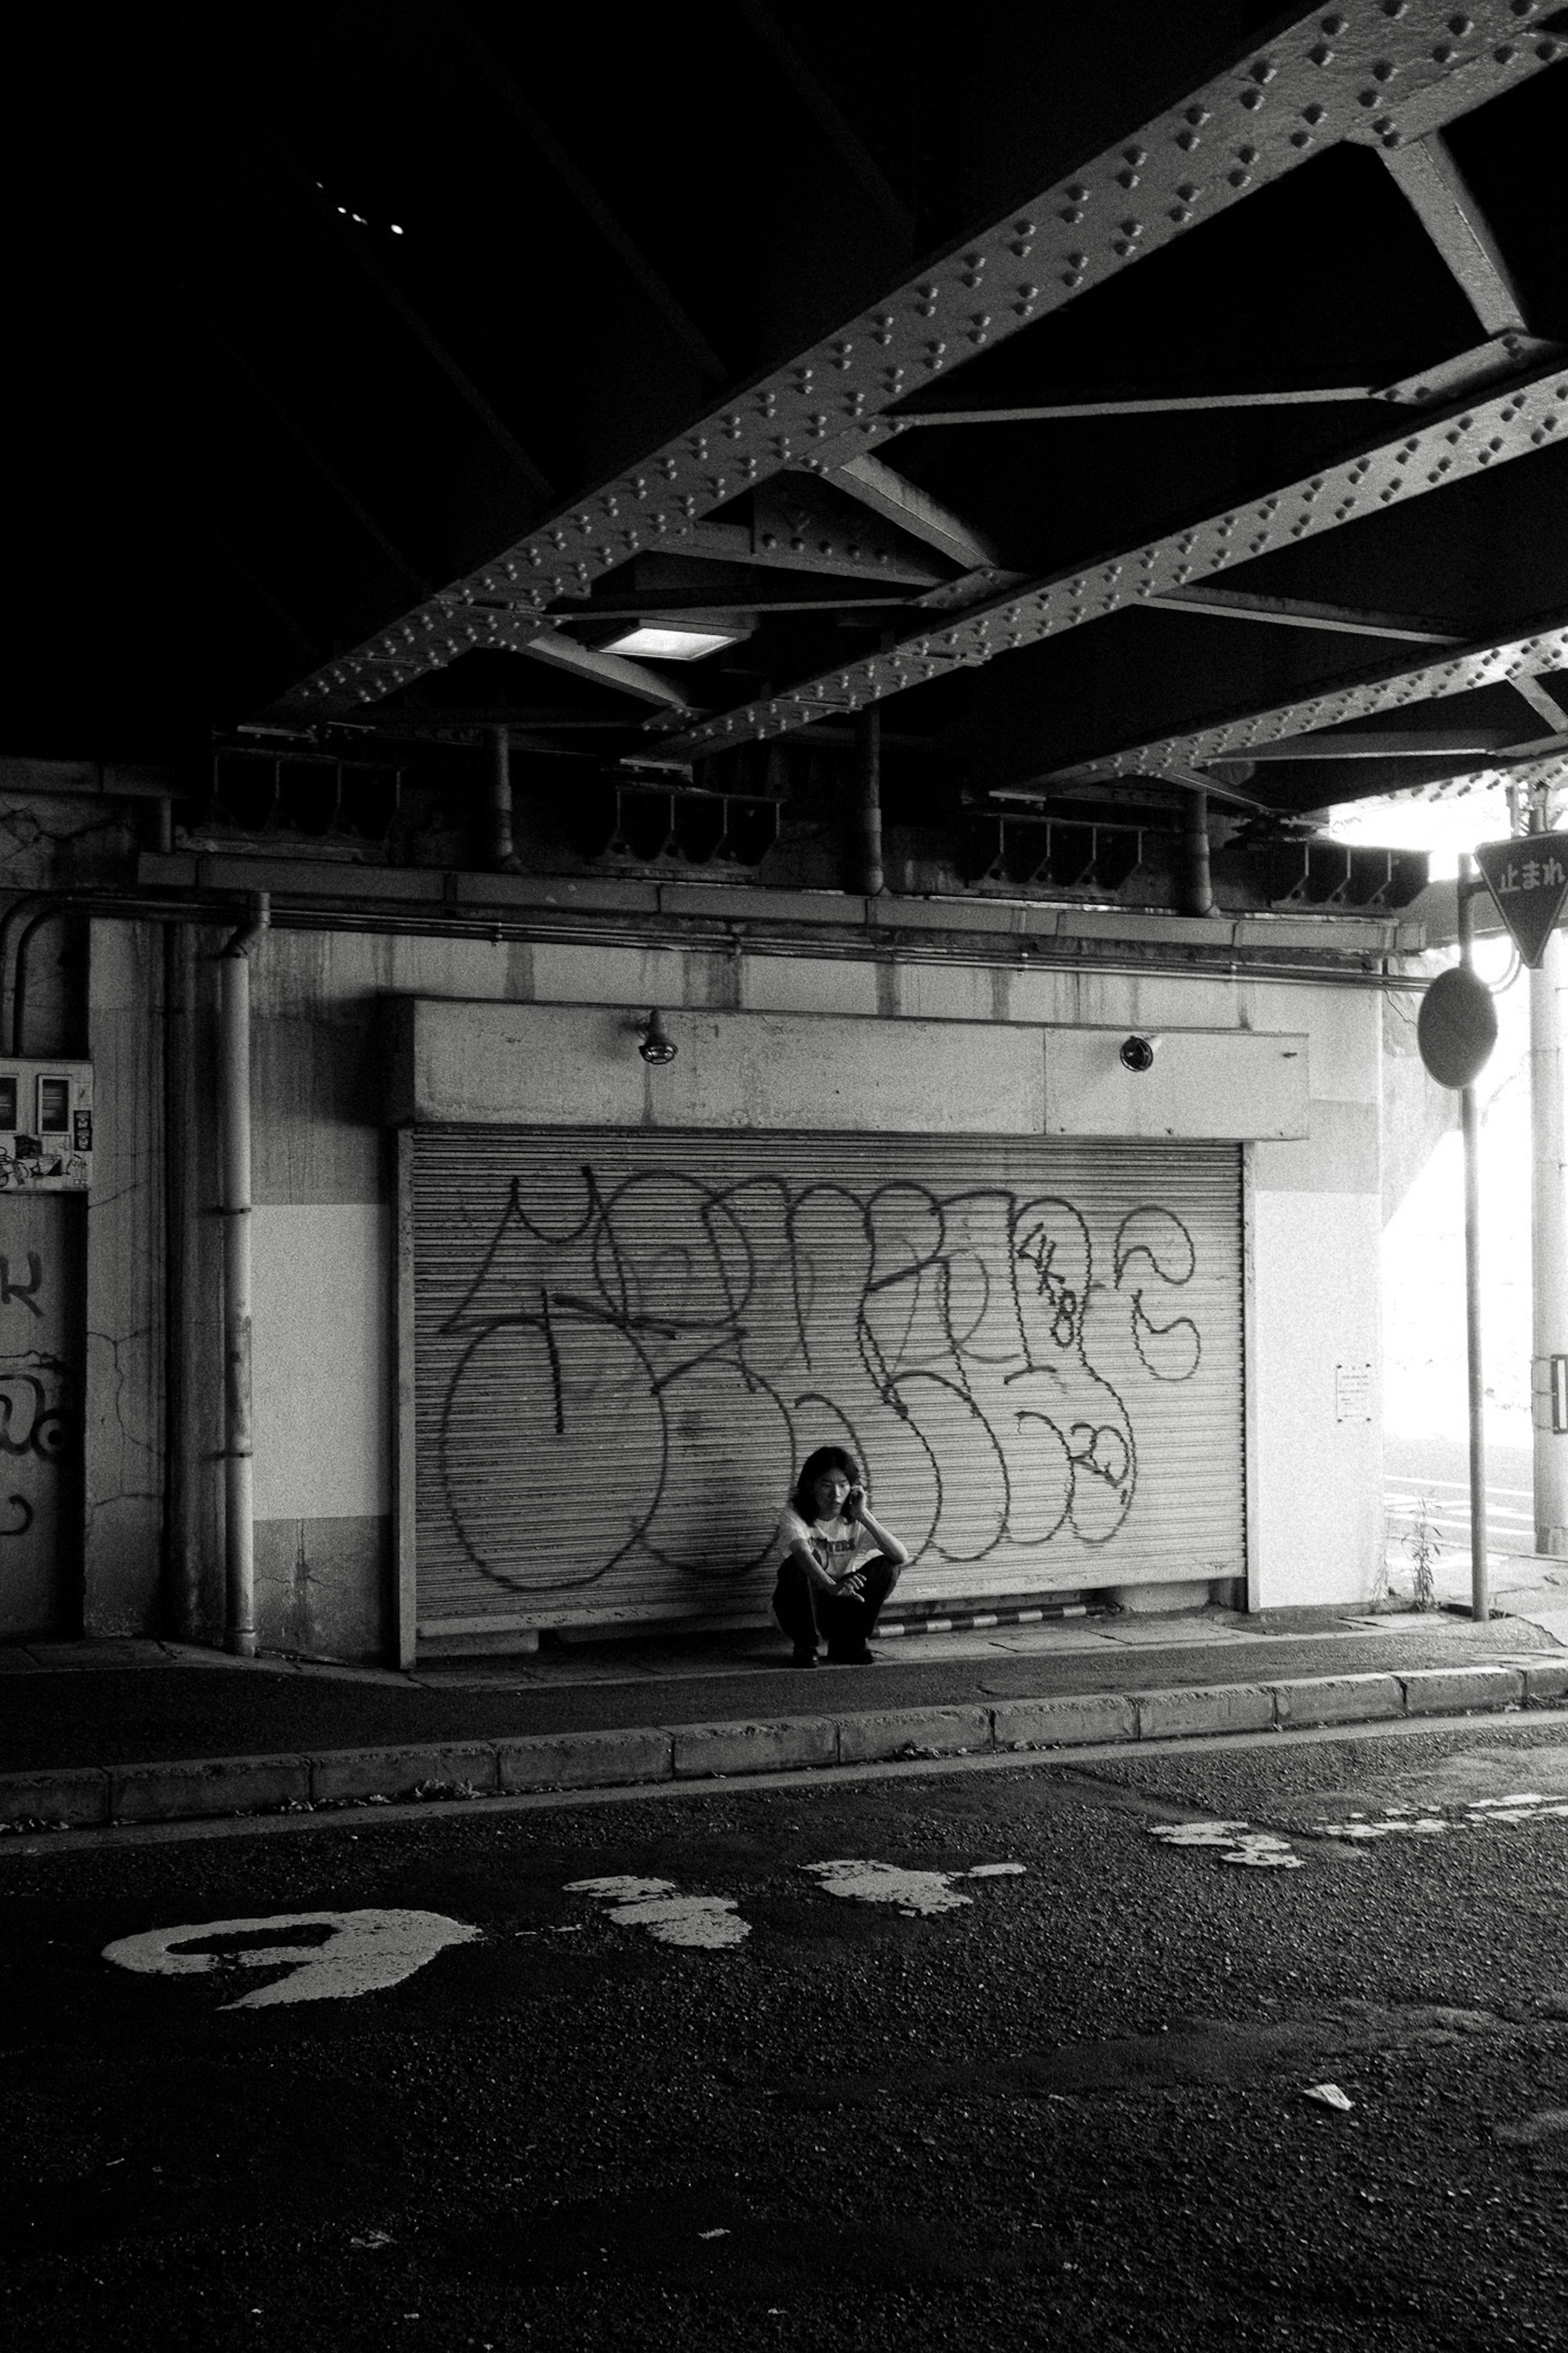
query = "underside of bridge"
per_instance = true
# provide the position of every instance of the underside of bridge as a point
(1052, 426)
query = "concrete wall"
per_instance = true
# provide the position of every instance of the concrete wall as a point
(322, 1187)
(1316, 1219)
(123, 1422)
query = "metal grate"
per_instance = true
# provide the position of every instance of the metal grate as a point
(623, 1344)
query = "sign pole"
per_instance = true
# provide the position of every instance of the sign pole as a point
(1480, 1600)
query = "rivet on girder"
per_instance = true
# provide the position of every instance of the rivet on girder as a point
(1322, 55)
(1505, 55)
(1251, 97)
(1187, 140)
(1196, 115)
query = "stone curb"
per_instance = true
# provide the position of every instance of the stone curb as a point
(79, 1797)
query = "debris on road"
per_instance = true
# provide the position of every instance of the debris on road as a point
(1328, 2096)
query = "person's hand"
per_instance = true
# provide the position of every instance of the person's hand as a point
(855, 1503)
(852, 1586)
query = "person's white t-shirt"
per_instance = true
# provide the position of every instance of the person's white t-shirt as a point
(837, 1544)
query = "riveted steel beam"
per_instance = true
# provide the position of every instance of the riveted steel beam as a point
(1433, 185)
(616, 670)
(1302, 612)
(1448, 448)
(889, 493)
(1360, 69)
(1544, 705)
(1526, 652)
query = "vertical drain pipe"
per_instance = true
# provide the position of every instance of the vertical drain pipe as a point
(502, 856)
(1197, 886)
(868, 817)
(239, 1505)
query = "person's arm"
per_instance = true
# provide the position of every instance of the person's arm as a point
(889, 1545)
(801, 1553)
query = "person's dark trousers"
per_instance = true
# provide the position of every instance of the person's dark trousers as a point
(845, 1625)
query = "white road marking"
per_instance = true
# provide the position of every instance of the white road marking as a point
(707, 1923)
(917, 1894)
(1253, 1850)
(363, 1951)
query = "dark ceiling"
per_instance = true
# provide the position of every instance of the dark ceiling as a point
(375, 367)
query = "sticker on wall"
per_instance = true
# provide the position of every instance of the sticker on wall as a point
(329, 1956)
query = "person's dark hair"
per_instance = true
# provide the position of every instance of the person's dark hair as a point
(826, 1458)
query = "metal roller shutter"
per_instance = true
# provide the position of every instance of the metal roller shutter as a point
(623, 1345)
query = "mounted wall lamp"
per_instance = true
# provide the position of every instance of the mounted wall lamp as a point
(657, 1045)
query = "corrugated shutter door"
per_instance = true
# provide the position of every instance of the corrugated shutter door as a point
(623, 1345)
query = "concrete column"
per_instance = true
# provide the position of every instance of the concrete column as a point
(1549, 1241)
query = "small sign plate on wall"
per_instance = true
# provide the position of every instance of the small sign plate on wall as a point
(1353, 1392)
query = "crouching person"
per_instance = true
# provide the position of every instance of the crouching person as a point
(837, 1565)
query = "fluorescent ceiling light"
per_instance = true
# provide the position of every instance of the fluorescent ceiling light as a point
(671, 641)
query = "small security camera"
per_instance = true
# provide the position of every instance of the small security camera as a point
(1138, 1053)
(657, 1045)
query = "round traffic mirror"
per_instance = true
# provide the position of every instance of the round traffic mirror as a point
(1457, 1027)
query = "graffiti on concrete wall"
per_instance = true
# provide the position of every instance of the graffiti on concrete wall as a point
(632, 1367)
(41, 1418)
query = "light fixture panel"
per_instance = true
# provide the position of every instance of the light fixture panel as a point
(670, 641)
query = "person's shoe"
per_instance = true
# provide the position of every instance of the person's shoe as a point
(802, 1657)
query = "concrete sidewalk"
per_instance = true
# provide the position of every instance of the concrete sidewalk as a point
(99, 1733)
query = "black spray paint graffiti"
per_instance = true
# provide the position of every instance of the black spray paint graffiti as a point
(701, 1338)
(27, 1292)
(40, 1418)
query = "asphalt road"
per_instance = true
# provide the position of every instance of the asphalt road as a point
(1060, 2106)
(1434, 1474)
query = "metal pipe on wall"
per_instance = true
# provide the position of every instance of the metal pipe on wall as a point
(1197, 888)
(500, 853)
(19, 987)
(867, 828)
(234, 1079)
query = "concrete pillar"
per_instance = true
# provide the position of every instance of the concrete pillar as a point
(1549, 1241)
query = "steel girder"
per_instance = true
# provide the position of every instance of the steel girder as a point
(1528, 651)
(1447, 448)
(1375, 70)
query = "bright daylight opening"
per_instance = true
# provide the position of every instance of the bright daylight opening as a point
(1425, 1397)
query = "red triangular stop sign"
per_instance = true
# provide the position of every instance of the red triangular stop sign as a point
(1527, 877)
